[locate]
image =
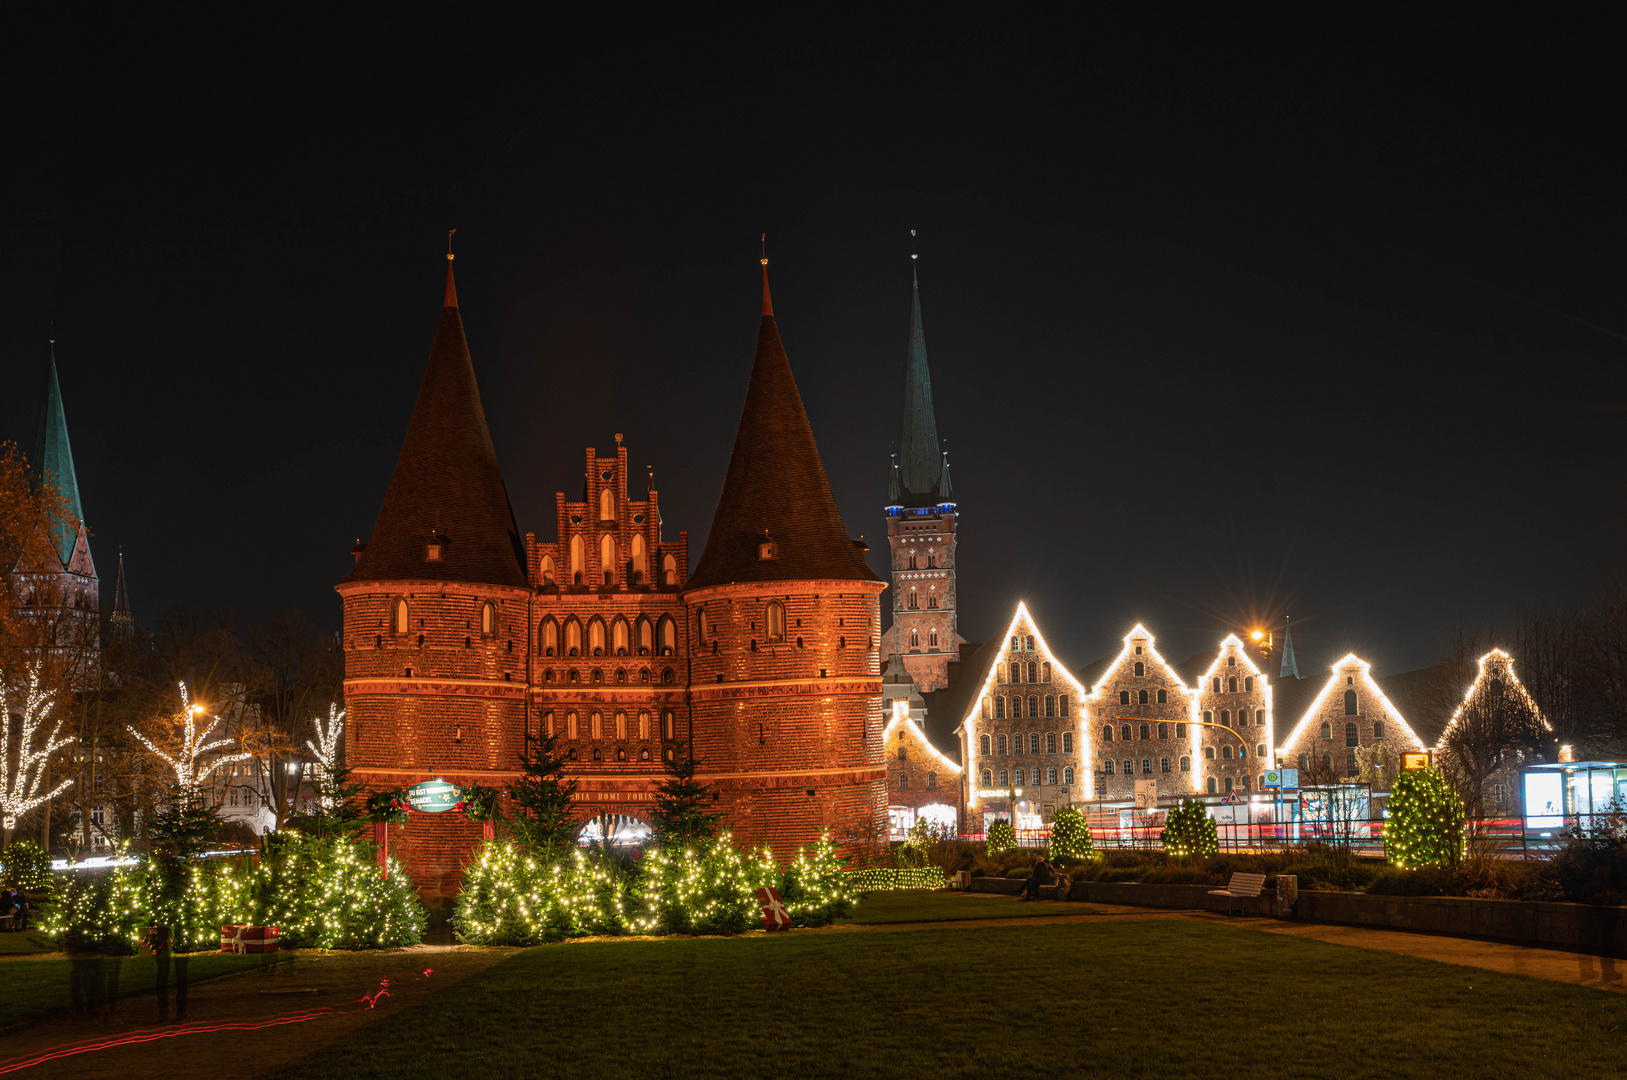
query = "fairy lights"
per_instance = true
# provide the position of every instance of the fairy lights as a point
(190, 772)
(1426, 826)
(326, 751)
(1344, 669)
(901, 718)
(1139, 632)
(1503, 666)
(22, 767)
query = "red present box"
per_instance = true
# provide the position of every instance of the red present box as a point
(248, 939)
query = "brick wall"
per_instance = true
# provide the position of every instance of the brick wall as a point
(922, 550)
(1128, 722)
(1345, 713)
(1235, 695)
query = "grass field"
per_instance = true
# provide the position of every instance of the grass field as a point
(923, 905)
(1148, 998)
(35, 988)
(23, 943)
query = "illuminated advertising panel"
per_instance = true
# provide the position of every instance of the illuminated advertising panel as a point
(1544, 799)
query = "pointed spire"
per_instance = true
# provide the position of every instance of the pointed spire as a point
(776, 519)
(451, 286)
(768, 304)
(946, 492)
(893, 489)
(53, 460)
(447, 486)
(920, 458)
(121, 616)
(1289, 665)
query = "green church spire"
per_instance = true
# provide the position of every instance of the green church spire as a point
(1289, 665)
(919, 460)
(53, 460)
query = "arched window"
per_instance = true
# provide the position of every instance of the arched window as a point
(1180, 731)
(983, 746)
(596, 636)
(548, 637)
(620, 636)
(988, 708)
(547, 569)
(915, 599)
(621, 724)
(1186, 764)
(402, 620)
(1226, 752)
(988, 778)
(1327, 730)
(1259, 751)
(903, 781)
(932, 638)
(1231, 685)
(1000, 674)
(646, 637)
(1062, 704)
(774, 620)
(1350, 735)
(1050, 705)
(641, 567)
(1050, 742)
(1129, 767)
(1378, 729)
(669, 635)
(1033, 742)
(1217, 684)
(1000, 708)
(1248, 684)
(548, 722)
(1028, 642)
(1350, 703)
(1107, 766)
(1067, 775)
(1327, 761)
(607, 505)
(667, 675)
(1228, 785)
(669, 570)
(1304, 762)
(1124, 733)
(573, 638)
(1067, 742)
(579, 559)
(596, 723)
(570, 725)
(1225, 718)
(1033, 706)
(1141, 697)
(644, 675)
(621, 676)
(1016, 672)
(669, 725)
(1003, 778)
(1163, 731)
(1050, 776)
(1107, 733)
(915, 638)
(1163, 764)
(1163, 697)
(1208, 717)
(931, 780)
(1146, 732)
(1033, 671)
(643, 725)
(1242, 752)
(1124, 697)
(1208, 753)
(488, 619)
(1259, 717)
(1045, 670)
(1140, 670)
(1000, 745)
(607, 558)
(1016, 644)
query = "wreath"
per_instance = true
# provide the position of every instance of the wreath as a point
(389, 806)
(478, 803)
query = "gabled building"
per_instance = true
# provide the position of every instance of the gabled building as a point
(1351, 715)
(922, 781)
(1236, 722)
(1142, 724)
(1022, 735)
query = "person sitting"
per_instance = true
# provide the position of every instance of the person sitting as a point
(20, 922)
(8, 910)
(1042, 875)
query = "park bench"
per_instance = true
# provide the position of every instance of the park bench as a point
(8, 921)
(1241, 887)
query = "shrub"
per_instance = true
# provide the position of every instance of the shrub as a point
(1002, 837)
(884, 878)
(328, 894)
(1592, 866)
(25, 865)
(1070, 835)
(1189, 830)
(1426, 824)
(511, 897)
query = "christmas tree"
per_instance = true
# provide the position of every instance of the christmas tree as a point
(1070, 835)
(681, 813)
(1426, 824)
(1190, 831)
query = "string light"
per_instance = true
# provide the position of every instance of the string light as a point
(1140, 631)
(1351, 660)
(1426, 826)
(1189, 830)
(19, 786)
(326, 752)
(901, 716)
(1505, 663)
(189, 774)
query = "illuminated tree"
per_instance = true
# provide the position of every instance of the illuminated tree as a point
(1002, 837)
(325, 749)
(1070, 835)
(1491, 720)
(23, 763)
(1426, 825)
(188, 763)
(1189, 830)
(681, 813)
(544, 820)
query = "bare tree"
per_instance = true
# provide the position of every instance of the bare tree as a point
(25, 756)
(1552, 651)
(294, 674)
(1491, 719)
(1604, 668)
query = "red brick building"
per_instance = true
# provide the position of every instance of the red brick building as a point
(459, 635)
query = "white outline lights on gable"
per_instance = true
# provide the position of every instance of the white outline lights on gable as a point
(1507, 663)
(1348, 660)
(1140, 631)
(901, 714)
(1233, 642)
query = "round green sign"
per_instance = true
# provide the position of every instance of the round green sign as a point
(434, 796)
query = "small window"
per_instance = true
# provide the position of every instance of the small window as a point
(1124, 733)
(1226, 752)
(1124, 697)
(1259, 751)
(1242, 752)
(1129, 767)
(1208, 717)
(1351, 768)
(1107, 733)
(1304, 762)
(1378, 729)
(488, 618)
(1050, 742)
(983, 746)
(988, 778)
(669, 725)
(1211, 785)
(1146, 732)
(1140, 670)
(1141, 698)
(1107, 766)
(1225, 718)
(1067, 742)
(1033, 672)
(1163, 764)
(1033, 707)
(1228, 785)
(644, 728)
(1163, 697)
(1050, 706)
(1217, 684)
(1050, 776)
(401, 616)
(1231, 685)
(1351, 738)
(1067, 775)
(774, 621)
(903, 781)
(1248, 684)
(931, 780)
(1186, 764)
(1327, 730)
(571, 731)
(1259, 717)
(1028, 642)
(1033, 742)
(1000, 707)
(1208, 753)
(1062, 704)
(1350, 703)
(1000, 743)
(1003, 778)
(1016, 672)
(1046, 669)
(548, 636)
(1180, 731)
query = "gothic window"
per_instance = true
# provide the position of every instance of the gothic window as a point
(573, 676)
(915, 600)
(1163, 764)
(1248, 684)
(579, 559)
(1141, 697)
(1107, 733)
(1000, 707)
(1327, 730)
(669, 635)
(1231, 684)
(1124, 697)
(620, 637)
(1140, 669)
(548, 637)
(547, 569)
(1327, 761)
(621, 724)
(644, 754)
(932, 600)
(598, 755)
(915, 638)
(607, 558)
(1350, 735)
(1186, 764)
(646, 637)
(573, 638)
(570, 725)
(401, 616)
(598, 675)
(1033, 672)
(607, 505)
(983, 745)
(666, 675)
(640, 560)
(1050, 706)
(596, 636)
(1062, 705)
(988, 778)
(621, 754)
(1000, 744)
(774, 620)
(621, 676)
(643, 725)
(932, 638)
(669, 725)
(1033, 707)
(644, 675)
(1378, 729)
(1146, 732)
(1067, 742)
(1350, 703)
(1033, 742)
(669, 570)
(548, 676)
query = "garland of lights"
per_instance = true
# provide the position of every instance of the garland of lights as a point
(1426, 823)
(26, 866)
(885, 878)
(1070, 835)
(1189, 830)
(1002, 837)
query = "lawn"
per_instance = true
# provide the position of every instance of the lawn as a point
(1154, 998)
(23, 943)
(35, 988)
(923, 905)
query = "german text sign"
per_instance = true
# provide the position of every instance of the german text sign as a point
(433, 796)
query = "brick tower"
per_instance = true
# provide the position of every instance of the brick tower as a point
(436, 615)
(921, 521)
(785, 624)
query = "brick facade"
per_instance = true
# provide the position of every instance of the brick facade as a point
(1141, 724)
(1235, 696)
(925, 631)
(918, 775)
(1350, 713)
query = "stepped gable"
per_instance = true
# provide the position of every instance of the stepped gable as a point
(446, 482)
(776, 488)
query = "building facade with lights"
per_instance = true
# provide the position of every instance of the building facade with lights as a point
(1348, 724)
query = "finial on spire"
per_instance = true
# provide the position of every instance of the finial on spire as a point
(913, 253)
(768, 305)
(451, 289)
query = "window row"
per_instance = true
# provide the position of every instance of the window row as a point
(1033, 743)
(635, 570)
(1127, 731)
(1226, 752)
(1022, 644)
(1231, 684)
(597, 676)
(1055, 706)
(401, 618)
(1037, 672)
(913, 601)
(1162, 697)
(1185, 765)
(1352, 736)
(904, 781)
(1352, 764)
(1227, 784)
(573, 727)
(620, 638)
(1051, 776)
(1242, 717)
(913, 561)
(915, 638)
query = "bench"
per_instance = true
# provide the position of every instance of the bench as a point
(1241, 887)
(8, 921)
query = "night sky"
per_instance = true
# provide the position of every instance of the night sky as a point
(1314, 320)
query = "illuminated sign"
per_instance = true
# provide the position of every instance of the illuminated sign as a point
(1544, 799)
(997, 793)
(1414, 761)
(434, 796)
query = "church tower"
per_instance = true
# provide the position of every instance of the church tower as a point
(436, 614)
(784, 622)
(921, 522)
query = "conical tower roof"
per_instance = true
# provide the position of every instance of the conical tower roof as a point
(920, 460)
(776, 488)
(447, 484)
(121, 598)
(53, 460)
(1290, 666)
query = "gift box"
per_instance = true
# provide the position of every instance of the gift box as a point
(248, 939)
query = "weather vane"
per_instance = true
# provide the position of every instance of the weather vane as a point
(765, 249)
(449, 233)
(913, 255)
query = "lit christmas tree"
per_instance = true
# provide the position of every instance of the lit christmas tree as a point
(1426, 825)
(1070, 835)
(1190, 831)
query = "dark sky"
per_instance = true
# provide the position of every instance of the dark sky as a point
(1318, 320)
